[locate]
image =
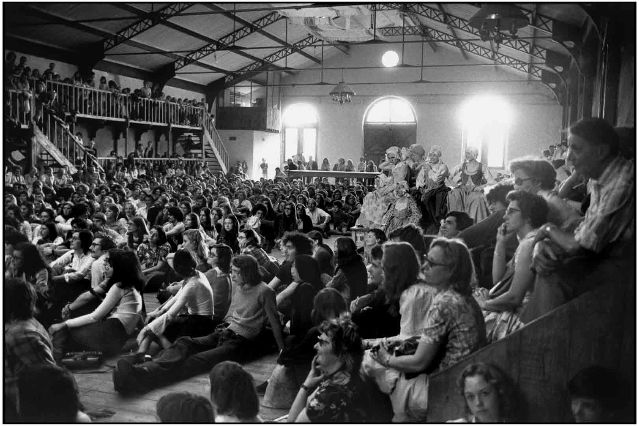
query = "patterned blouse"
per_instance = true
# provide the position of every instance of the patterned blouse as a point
(150, 257)
(456, 322)
(334, 400)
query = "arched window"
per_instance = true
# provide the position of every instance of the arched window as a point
(300, 131)
(388, 121)
(391, 110)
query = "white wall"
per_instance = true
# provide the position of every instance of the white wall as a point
(536, 115)
(266, 145)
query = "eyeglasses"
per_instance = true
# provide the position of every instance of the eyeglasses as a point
(519, 181)
(431, 263)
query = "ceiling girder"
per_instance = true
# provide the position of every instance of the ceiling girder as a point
(457, 23)
(188, 32)
(152, 19)
(256, 68)
(260, 30)
(227, 40)
(469, 47)
(450, 27)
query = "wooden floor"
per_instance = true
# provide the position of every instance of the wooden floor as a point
(104, 404)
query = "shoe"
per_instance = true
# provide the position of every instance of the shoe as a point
(126, 378)
(261, 389)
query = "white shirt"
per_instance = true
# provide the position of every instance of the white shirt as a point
(81, 264)
(318, 214)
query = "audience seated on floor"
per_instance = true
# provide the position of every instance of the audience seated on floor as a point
(176, 222)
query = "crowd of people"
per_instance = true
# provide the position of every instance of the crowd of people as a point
(444, 270)
(123, 102)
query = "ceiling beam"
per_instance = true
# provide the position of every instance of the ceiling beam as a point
(475, 49)
(228, 40)
(532, 42)
(231, 15)
(452, 30)
(106, 35)
(459, 24)
(424, 29)
(150, 19)
(256, 68)
(187, 31)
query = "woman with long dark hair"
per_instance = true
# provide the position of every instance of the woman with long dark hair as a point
(206, 222)
(136, 232)
(349, 268)
(108, 327)
(294, 362)
(297, 298)
(32, 268)
(288, 220)
(304, 222)
(174, 227)
(230, 230)
(152, 255)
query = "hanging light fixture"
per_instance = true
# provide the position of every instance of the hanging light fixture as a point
(342, 93)
(494, 19)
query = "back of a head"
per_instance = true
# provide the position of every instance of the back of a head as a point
(598, 383)
(413, 235)
(19, 300)
(48, 394)
(498, 193)
(184, 407)
(233, 391)
(346, 251)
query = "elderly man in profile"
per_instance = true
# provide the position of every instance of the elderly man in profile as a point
(601, 248)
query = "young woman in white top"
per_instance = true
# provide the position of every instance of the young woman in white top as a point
(108, 327)
(169, 322)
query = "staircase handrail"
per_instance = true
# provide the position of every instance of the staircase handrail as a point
(214, 136)
(65, 128)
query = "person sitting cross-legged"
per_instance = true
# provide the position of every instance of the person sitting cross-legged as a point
(253, 304)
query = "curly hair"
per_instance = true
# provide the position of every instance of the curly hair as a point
(503, 386)
(346, 342)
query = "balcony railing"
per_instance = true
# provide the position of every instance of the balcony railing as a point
(18, 105)
(23, 106)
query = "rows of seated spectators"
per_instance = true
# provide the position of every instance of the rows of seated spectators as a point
(66, 103)
(356, 329)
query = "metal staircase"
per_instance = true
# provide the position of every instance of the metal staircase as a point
(215, 154)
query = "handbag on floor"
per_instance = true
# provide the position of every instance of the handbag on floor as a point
(84, 359)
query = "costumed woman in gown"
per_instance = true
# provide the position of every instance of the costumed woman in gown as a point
(469, 180)
(376, 203)
(434, 192)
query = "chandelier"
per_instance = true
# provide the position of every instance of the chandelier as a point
(493, 19)
(342, 93)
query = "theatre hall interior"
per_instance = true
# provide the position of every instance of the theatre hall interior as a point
(319, 212)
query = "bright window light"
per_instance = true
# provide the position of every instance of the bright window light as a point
(300, 115)
(390, 59)
(486, 122)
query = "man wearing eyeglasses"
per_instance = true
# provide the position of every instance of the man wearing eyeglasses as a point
(538, 177)
(602, 246)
